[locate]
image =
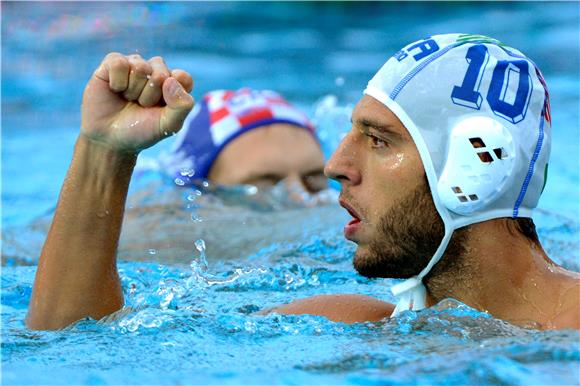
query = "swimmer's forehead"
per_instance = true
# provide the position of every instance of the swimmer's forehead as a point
(372, 114)
(271, 151)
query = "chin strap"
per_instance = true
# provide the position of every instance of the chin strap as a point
(412, 293)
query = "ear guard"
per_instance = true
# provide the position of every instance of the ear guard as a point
(480, 159)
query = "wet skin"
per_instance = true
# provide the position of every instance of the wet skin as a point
(377, 165)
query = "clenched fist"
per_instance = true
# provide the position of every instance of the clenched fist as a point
(131, 103)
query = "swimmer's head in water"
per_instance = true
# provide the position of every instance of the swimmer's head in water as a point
(221, 117)
(478, 112)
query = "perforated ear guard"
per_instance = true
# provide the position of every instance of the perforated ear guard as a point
(480, 159)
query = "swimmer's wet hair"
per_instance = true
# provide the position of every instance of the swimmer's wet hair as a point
(523, 225)
(526, 227)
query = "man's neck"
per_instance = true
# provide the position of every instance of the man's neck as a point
(505, 274)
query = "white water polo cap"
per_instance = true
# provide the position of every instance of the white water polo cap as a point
(479, 114)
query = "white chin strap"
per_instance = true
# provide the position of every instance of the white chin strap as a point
(412, 293)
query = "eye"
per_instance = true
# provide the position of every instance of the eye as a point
(376, 142)
(264, 181)
(315, 182)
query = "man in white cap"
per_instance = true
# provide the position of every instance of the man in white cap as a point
(444, 163)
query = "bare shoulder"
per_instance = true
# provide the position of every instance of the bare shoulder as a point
(346, 308)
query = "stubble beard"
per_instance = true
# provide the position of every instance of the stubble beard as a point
(408, 236)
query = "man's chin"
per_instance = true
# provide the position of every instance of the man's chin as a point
(403, 240)
(368, 264)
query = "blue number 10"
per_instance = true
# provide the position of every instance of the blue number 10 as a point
(468, 93)
(501, 98)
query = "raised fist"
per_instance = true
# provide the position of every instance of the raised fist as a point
(130, 104)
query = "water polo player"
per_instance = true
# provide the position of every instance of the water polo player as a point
(441, 171)
(247, 136)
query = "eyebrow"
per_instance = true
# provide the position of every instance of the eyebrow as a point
(382, 128)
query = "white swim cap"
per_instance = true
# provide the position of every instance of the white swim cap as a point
(479, 114)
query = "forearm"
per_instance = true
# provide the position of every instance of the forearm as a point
(77, 273)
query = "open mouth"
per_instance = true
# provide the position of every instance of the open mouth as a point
(350, 210)
(353, 225)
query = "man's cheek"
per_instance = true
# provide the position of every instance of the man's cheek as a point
(396, 162)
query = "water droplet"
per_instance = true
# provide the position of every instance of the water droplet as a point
(194, 195)
(151, 84)
(179, 181)
(199, 265)
(205, 184)
(339, 81)
(200, 245)
(187, 172)
(196, 218)
(148, 76)
(103, 213)
(153, 251)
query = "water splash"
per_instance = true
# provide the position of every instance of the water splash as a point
(198, 266)
(147, 319)
(453, 318)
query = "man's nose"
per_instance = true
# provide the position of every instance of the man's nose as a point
(342, 164)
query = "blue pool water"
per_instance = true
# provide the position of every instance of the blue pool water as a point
(192, 315)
